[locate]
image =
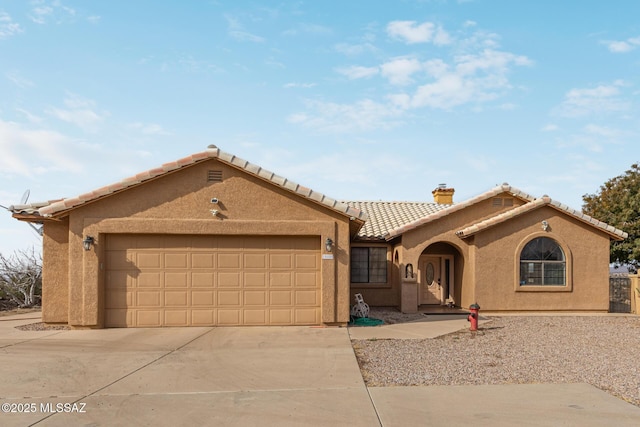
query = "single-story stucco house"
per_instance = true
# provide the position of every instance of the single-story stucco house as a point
(212, 239)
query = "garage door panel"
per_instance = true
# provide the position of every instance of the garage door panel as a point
(176, 318)
(203, 317)
(283, 297)
(175, 298)
(176, 261)
(202, 298)
(148, 299)
(176, 280)
(148, 260)
(202, 261)
(229, 298)
(202, 280)
(307, 279)
(280, 280)
(255, 280)
(255, 261)
(284, 260)
(149, 280)
(212, 280)
(229, 317)
(255, 317)
(229, 280)
(148, 318)
(280, 317)
(255, 298)
(226, 260)
(306, 261)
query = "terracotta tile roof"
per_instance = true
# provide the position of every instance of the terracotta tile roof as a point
(60, 207)
(385, 216)
(391, 219)
(543, 201)
(449, 209)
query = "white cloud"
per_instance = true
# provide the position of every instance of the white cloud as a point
(357, 72)
(354, 49)
(43, 11)
(237, 31)
(471, 78)
(301, 85)
(313, 29)
(80, 112)
(400, 70)
(603, 131)
(364, 115)
(473, 71)
(549, 128)
(17, 79)
(411, 32)
(622, 46)
(8, 28)
(604, 98)
(29, 116)
(28, 152)
(244, 36)
(94, 19)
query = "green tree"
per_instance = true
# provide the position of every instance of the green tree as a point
(618, 204)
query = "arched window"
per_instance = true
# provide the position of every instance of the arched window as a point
(542, 262)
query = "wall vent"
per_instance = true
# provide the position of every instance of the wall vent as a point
(508, 201)
(214, 176)
(497, 201)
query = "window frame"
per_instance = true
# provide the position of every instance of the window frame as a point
(387, 266)
(568, 276)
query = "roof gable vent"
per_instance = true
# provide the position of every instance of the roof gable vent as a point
(214, 176)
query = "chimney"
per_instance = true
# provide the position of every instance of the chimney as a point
(443, 195)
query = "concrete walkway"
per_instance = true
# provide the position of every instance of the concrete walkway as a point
(431, 326)
(250, 376)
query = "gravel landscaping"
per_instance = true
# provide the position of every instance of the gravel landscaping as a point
(600, 350)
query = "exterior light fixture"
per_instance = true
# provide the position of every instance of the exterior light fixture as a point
(545, 225)
(328, 244)
(88, 242)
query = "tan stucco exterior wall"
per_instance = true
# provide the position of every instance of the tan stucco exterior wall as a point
(442, 231)
(180, 203)
(55, 274)
(486, 265)
(497, 265)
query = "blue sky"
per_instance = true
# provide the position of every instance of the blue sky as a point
(360, 100)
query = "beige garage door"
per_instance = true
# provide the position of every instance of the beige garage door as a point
(164, 280)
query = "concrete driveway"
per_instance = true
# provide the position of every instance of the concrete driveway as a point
(181, 376)
(252, 376)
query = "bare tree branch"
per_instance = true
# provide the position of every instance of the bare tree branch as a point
(21, 277)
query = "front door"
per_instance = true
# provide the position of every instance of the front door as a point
(431, 282)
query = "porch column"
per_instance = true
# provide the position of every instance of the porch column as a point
(409, 289)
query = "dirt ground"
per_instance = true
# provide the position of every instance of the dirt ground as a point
(9, 308)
